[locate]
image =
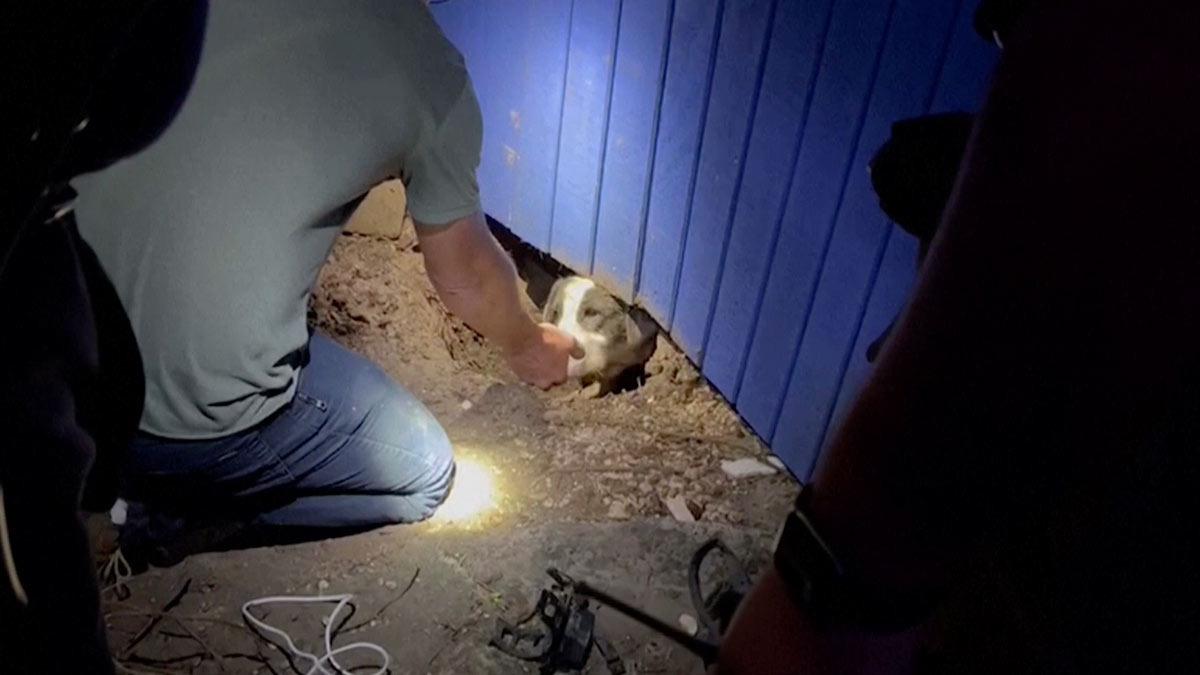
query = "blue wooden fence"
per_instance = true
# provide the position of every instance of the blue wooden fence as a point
(707, 159)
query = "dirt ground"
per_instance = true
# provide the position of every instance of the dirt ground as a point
(579, 483)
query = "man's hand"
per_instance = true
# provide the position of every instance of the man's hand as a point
(475, 279)
(541, 360)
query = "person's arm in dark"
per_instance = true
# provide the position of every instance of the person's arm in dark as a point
(1062, 285)
(91, 85)
(45, 457)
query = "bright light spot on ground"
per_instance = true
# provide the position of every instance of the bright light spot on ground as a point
(473, 494)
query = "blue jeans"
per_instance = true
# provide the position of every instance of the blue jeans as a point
(353, 450)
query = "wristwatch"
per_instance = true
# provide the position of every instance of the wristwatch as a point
(827, 593)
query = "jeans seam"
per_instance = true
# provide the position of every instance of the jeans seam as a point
(423, 456)
(258, 436)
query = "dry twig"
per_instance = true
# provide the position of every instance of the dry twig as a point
(378, 613)
(171, 603)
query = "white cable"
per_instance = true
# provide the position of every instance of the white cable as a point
(116, 571)
(10, 564)
(318, 662)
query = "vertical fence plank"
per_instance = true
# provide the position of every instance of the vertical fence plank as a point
(795, 50)
(960, 87)
(888, 294)
(632, 126)
(466, 24)
(516, 52)
(967, 68)
(535, 118)
(842, 89)
(745, 31)
(685, 96)
(907, 74)
(584, 123)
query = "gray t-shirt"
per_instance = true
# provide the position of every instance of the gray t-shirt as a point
(214, 235)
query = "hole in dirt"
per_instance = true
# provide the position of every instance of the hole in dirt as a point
(539, 271)
(630, 379)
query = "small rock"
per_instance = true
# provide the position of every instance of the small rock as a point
(466, 405)
(745, 467)
(774, 461)
(679, 509)
(617, 511)
(689, 624)
(391, 585)
(686, 376)
(322, 585)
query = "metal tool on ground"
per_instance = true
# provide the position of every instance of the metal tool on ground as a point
(560, 631)
(706, 650)
(716, 608)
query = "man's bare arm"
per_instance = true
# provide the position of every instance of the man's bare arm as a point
(476, 281)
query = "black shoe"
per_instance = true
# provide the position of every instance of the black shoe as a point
(163, 539)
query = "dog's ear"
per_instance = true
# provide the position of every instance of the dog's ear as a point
(551, 313)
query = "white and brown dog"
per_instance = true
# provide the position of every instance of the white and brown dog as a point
(615, 337)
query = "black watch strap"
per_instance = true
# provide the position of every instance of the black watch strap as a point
(828, 593)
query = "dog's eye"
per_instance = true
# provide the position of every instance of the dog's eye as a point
(590, 312)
